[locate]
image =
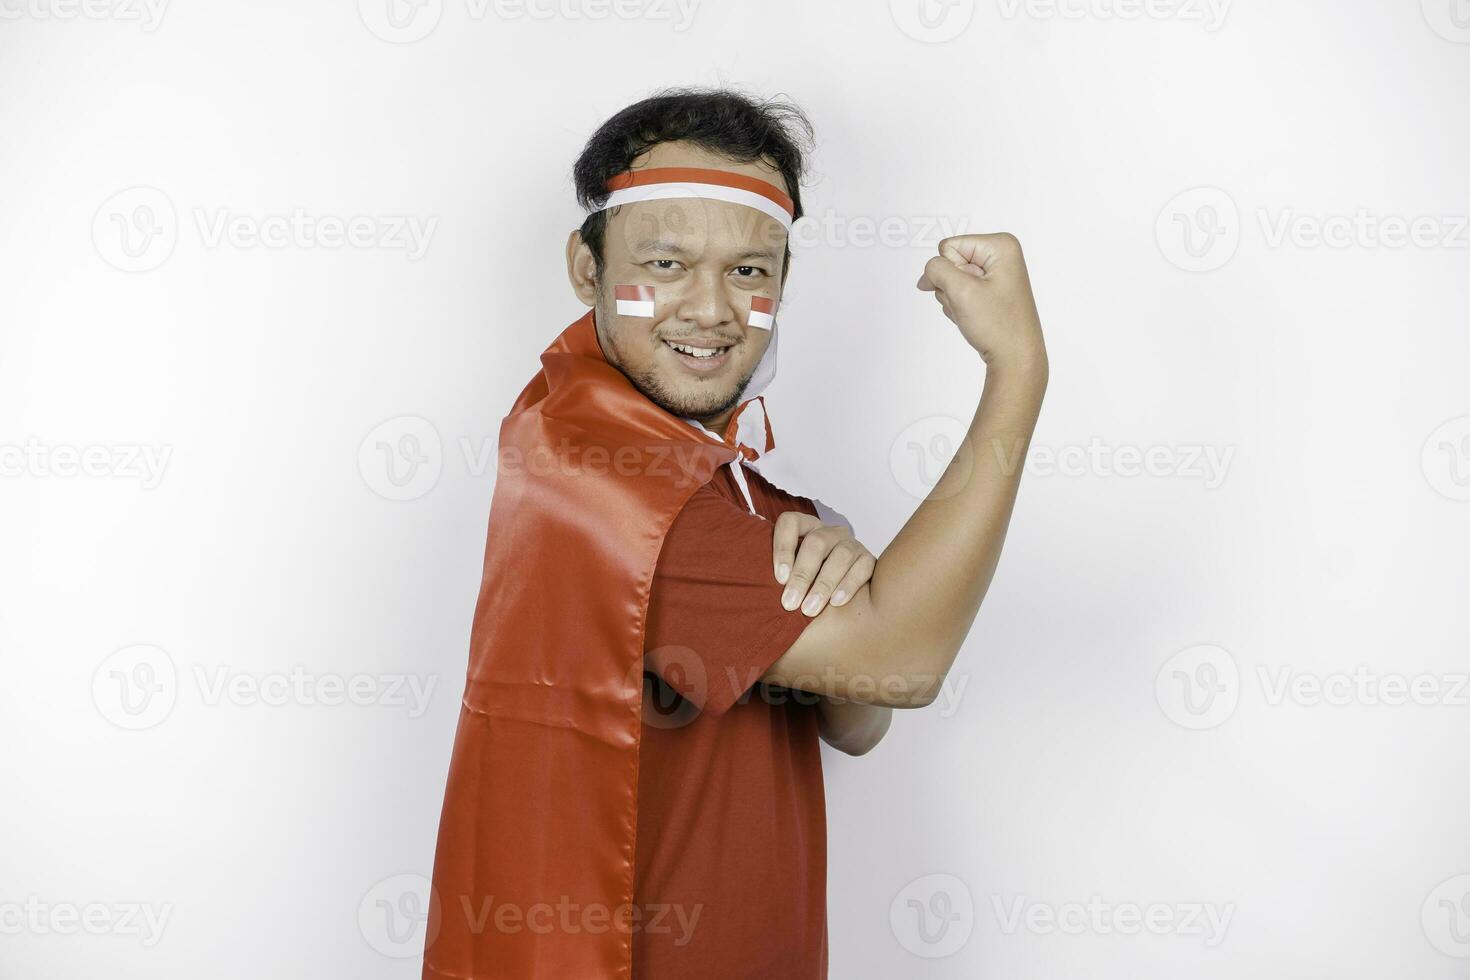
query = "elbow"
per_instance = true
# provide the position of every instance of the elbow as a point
(919, 677)
(920, 696)
(854, 747)
(923, 697)
(907, 691)
(861, 739)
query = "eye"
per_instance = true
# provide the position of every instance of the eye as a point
(664, 265)
(749, 271)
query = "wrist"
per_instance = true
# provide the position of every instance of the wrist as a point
(1023, 365)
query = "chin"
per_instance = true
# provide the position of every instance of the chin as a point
(702, 403)
(679, 398)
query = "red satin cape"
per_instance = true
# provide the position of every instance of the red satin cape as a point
(533, 873)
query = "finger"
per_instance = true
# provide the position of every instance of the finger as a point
(979, 254)
(859, 575)
(839, 562)
(809, 557)
(968, 253)
(790, 527)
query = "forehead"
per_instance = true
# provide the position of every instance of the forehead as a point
(694, 228)
(697, 226)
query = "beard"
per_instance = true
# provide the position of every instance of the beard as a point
(700, 405)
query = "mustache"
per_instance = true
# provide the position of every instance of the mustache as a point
(704, 340)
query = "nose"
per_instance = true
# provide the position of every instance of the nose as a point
(705, 302)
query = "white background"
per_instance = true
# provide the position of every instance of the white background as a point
(288, 837)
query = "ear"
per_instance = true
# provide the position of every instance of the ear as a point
(581, 269)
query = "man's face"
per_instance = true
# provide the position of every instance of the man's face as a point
(705, 260)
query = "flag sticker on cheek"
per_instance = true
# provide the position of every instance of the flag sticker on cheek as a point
(634, 300)
(762, 313)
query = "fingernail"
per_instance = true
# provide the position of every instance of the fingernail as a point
(839, 597)
(813, 605)
(790, 598)
(782, 570)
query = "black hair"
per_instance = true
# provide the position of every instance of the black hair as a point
(720, 120)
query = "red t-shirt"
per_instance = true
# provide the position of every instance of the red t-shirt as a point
(731, 857)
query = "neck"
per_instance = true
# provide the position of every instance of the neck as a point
(717, 423)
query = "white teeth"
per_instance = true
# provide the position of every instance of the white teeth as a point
(696, 351)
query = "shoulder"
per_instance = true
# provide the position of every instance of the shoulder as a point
(771, 501)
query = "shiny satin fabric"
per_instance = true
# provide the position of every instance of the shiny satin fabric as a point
(533, 874)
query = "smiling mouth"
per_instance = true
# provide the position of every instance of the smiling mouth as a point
(698, 352)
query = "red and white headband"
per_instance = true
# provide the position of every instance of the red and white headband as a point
(657, 183)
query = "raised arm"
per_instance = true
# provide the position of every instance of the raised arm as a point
(895, 639)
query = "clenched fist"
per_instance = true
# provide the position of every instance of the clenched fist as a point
(982, 285)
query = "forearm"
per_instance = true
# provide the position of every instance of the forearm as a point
(850, 726)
